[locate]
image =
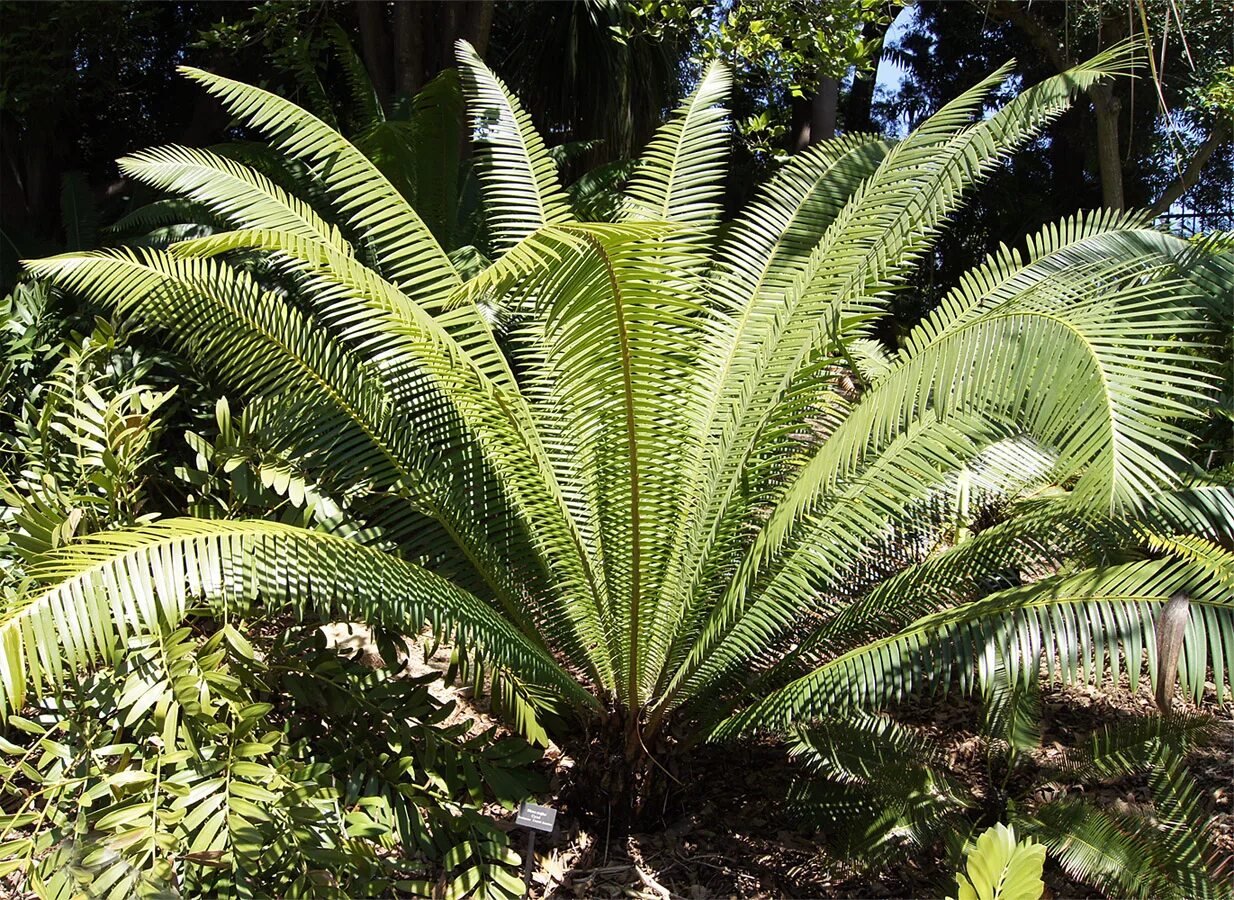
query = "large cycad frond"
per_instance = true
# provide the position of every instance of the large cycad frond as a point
(241, 196)
(518, 178)
(119, 583)
(609, 318)
(871, 244)
(991, 382)
(408, 252)
(258, 345)
(1083, 626)
(680, 175)
(474, 403)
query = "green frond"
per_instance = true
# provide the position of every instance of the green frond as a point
(871, 244)
(875, 789)
(1044, 536)
(478, 391)
(680, 175)
(235, 193)
(769, 242)
(1083, 626)
(1084, 240)
(613, 325)
(364, 107)
(407, 253)
(755, 265)
(161, 213)
(518, 179)
(393, 146)
(1125, 854)
(1206, 511)
(258, 345)
(118, 583)
(1120, 456)
(850, 516)
(1064, 327)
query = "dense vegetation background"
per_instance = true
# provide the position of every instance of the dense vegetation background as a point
(85, 84)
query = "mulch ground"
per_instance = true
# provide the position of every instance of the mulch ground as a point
(724, 833)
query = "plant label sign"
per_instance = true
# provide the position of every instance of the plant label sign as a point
(540, 818)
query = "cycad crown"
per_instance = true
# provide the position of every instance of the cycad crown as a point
(662, 467)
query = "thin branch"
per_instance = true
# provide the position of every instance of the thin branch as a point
(1219, 135)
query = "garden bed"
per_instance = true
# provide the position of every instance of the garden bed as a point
(725, 834)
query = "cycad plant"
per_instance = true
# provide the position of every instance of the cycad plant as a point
(656, 472)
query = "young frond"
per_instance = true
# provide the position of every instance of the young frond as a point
(680, 176)
(518, 178)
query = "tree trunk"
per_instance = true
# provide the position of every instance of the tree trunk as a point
(1071, 188)
(799, 136)
(814, 119)
(471, 21)
(859, 105)
(1107, 107)
(408, 47)
(624, 782)
(1106, 104)
(375, 46)
(824, 107)
(482, 25)
(424, 36)
(1195, 166)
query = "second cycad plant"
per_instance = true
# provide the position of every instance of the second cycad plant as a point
(655, 472)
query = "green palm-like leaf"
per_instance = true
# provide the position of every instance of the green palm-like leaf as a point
(235, 193)
(870, 245)
(119, 583)
(409, 254)
(680, 466)
(1086, 625)
(680, 175)
(517, 176)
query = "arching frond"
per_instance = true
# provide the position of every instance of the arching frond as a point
(681, 173)
(118, 583)
(403, 340)
(409, 255)
(1083, 626)
(237, 194)
(518, 178)
(870, 245)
